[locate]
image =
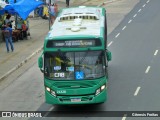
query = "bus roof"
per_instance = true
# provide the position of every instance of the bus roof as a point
(78, 21)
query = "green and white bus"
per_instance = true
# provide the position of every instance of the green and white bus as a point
(75, 57)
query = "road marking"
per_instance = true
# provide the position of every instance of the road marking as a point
(148, 68)
(124, 117)
(139, 10)
(117, 35)
(135, 15)
(148, 1)
(110, 43)
(156, 52)
(129, 21)
(137, 90)
(48, 111)
(144, 5)
(124, 28)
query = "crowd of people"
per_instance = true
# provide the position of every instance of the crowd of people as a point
(52, 10)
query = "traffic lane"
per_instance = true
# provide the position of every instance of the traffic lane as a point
(126, 17)
(149, 97)
(23, 90)
(132, 51)
(149, 13)
(127, 68)
(148, 39)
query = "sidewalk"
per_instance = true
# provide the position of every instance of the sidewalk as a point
(25, 49)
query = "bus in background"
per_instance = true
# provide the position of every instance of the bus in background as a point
(75, 58)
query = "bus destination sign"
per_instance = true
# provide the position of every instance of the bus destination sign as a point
(74, 43)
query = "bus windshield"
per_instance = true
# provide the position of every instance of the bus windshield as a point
(74, 65)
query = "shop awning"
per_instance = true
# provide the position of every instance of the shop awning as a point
(23, 7)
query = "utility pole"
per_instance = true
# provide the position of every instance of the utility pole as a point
(49, 14)
(15, 16)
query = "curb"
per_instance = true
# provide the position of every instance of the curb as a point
(107, 2)
(21, 64)
(39, 50)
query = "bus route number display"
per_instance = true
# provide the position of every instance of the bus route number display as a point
(77, 43)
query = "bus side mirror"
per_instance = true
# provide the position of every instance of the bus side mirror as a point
(109, 56)
(40, 62)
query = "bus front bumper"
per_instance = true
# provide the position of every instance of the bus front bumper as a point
(87, 99)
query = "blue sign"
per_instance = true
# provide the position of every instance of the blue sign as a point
(71, 69)
(79, 75)
(57, 67)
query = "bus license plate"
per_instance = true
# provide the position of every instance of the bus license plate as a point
(75, 99)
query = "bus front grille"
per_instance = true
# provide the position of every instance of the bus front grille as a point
(71, 85)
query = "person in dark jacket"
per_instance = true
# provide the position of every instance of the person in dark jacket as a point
(67, 3)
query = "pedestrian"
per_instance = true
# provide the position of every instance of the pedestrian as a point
(8, 37)
(19, 27)
(56, 9)
(67, 3)
(52, 13)
(24, 29)
(7, 20)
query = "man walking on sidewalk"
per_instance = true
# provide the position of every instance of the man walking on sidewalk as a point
(67, 3)
(8, 37)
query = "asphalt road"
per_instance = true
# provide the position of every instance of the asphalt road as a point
(136, 59)
(134, 77)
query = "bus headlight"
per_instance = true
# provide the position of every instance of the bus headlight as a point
(103, 87)
(98, 91)
(53, 93)
(48, 89)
